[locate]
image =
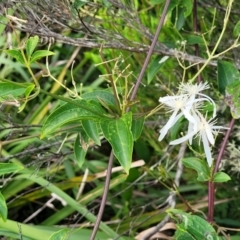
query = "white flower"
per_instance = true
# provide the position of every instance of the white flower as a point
(182, 104)
(175, 104)
(206, 132)
(193, 90)
(188, 104)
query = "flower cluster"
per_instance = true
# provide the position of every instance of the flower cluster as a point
(188, 104)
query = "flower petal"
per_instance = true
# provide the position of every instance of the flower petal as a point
(188, 116)
(209, 133)
(167, 126)
(212, 102)
(190, 130)
(182, 139)
(166, 99)
(207, 149)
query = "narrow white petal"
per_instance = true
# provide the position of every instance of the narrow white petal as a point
(177, 118)
(197, 120)
(190, 130)
(207, 149)
(162, 135)
(182, 139)
(220, 127)
(167, 126)
(166, 99)
(212, 102)
(188, 116)
(210, 135)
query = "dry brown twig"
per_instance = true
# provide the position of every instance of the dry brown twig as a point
(43, 18)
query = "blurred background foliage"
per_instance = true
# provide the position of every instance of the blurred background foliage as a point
(122, 31)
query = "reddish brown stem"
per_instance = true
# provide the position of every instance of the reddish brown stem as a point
(211, 183)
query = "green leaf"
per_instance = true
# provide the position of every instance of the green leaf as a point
(227, 74)
(198, 165)
(200, 228)
(91, 129)
(157, 1)
(27, 93)
(40, 54)
(181, 234)
(176, 214)
(68, 113)
(193, 39)
(194, 226)
(59, 235)
(9, 90)
(80, 149)
(221, 177)
(232, 98)
(178, 17)
(6, 168)
(29, 89)
(137, 127)
(3, 208)
(118, 133)
(188, 6)
(236, 30)
(31, 45)
(104, 96)
(16, 54)
(154, 67)
(172, 5)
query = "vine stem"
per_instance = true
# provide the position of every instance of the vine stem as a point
(110, 162)
(104, 198)
(151, 49)
(211, 183)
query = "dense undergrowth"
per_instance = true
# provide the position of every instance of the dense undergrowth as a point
(64, 108)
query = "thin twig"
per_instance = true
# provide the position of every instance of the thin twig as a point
(104, 197)
(211, 183)
(100, 35)
(30, 151)
(150, 52)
